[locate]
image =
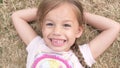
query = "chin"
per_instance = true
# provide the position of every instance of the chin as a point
(60, 50)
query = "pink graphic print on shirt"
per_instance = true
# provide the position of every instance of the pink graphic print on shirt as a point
(50, 61)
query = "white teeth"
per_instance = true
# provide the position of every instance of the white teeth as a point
(57, 42)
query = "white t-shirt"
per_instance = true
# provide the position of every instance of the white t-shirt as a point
(41, 56)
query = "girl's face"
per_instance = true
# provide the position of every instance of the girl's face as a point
(61, 28)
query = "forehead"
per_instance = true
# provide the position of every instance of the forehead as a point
(65, 11)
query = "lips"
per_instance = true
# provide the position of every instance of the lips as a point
(58, 42)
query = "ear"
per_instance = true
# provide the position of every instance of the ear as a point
(79, 31)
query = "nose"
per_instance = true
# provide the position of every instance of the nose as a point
(57, 31)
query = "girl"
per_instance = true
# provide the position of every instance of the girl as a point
(60, 23)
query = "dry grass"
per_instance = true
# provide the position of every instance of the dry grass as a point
(12, 49)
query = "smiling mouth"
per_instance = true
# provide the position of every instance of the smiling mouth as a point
(58, 42)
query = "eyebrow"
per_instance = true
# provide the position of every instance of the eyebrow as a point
(68, 21)
(63, 20)
(48, 20)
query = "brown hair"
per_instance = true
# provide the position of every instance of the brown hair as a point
(47, 5)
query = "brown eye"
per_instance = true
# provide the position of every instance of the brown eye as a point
(67, 25)
(49, 24)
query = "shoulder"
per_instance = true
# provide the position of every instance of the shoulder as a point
(35, 43)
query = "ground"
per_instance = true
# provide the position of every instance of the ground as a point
(13, 51)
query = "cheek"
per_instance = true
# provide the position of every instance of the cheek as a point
(71, 41)
(71, 36)
(46, 32)
(71, 33)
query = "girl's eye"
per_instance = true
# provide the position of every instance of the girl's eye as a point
(49, 24)
(67, 25)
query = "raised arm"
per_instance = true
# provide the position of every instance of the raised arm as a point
(110, 30)
(20, 20)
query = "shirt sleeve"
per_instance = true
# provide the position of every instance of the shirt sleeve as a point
(85, 50)
(32, 49)
(34, 44)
